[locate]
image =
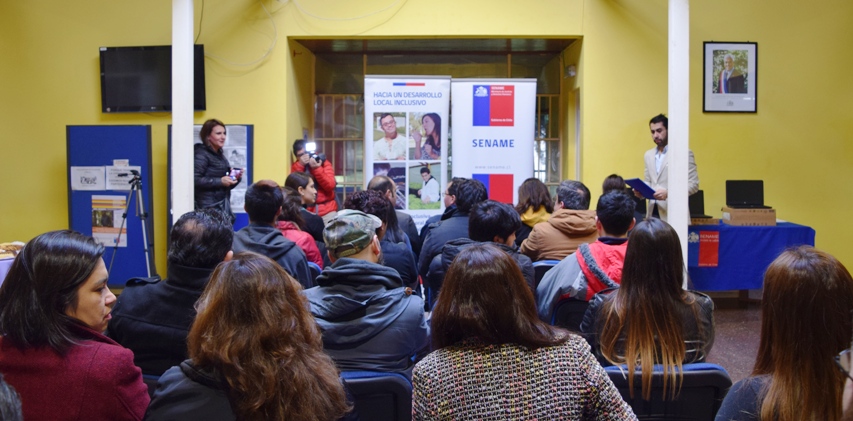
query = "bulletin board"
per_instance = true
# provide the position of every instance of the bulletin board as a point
(238, 149)
(101, 161)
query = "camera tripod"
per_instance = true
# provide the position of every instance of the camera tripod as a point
(135, 186)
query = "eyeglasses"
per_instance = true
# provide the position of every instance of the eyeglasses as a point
(843, 362)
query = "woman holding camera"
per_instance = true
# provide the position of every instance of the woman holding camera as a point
(214, 177)
(54, 307)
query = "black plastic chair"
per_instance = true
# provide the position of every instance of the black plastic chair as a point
(380, 396)
(315, 271)
(568, 313)
(702, 391)
(542, 266)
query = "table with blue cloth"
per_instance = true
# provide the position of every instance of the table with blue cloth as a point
(727, 257)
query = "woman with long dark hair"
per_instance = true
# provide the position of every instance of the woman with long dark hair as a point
(534, 206)
(495, 359)
(214, 178)
(256, 353)
(805, 322)
(54, 307)
(650, 319)
(304, 186)
(428, 143)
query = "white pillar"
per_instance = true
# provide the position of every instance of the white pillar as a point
(182, 108)
(679, 116)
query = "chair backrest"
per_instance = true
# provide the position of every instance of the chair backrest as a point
(702, 391)
(568, 313)
(380, 396)
(540, 267)
(150, 380)
(315, 270)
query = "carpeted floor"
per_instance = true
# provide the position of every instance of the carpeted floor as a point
(737, 332)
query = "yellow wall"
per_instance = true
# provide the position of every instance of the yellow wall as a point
(799, 141)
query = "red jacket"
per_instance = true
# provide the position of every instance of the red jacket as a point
(324, 177)
(302, 239)
(95, 380)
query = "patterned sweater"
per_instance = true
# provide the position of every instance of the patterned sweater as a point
(472, 380)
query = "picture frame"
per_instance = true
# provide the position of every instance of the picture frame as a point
(730, 77)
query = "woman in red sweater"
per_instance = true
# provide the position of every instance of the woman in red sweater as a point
(54, 306)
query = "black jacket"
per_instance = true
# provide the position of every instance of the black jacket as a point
(697, 320)
(268, 241)
(398, 257)
(456, 226)
(210, 167)
(153, 318)
(453, 247)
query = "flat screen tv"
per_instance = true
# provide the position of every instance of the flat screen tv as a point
(139, 79)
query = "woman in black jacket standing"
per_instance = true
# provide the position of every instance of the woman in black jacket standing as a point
(214, 177)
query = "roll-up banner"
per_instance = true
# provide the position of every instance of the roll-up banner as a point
(493, 129)
(406, 127)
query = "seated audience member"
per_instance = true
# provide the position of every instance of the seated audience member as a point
(405, 224)
(449, 208)
(571, 225)
(534, 206)
(291, 225)
(255, 353)
(323, 172)
(468, 193)
(263, 205)
(805, 322)
(10, 402)
(370, 321)
(152, 319)
(54, 306)
(596, 266)
(394, 255)
(494, 359)
(650, 319)
(489, 222)
(303, 184)
(613, 182)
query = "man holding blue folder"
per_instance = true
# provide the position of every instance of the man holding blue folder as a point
(656, 172)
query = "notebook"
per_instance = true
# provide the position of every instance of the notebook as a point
(745, 194)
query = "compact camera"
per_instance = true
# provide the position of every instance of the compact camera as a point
(235, 173)
(311, 149)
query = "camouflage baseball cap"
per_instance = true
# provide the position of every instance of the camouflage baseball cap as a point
(350, 232)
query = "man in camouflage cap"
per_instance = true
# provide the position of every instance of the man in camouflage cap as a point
(349, 233)
(370, 321)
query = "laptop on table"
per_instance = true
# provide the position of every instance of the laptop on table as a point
(745, 194)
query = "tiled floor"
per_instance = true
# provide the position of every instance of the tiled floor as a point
(737, 333)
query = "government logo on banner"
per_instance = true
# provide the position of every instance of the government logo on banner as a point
(494, 105)
(499, 186)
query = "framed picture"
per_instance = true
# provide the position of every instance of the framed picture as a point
(730, 77)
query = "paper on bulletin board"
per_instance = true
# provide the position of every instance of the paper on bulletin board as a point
(106, 220)
(87, 178)
(118, 178)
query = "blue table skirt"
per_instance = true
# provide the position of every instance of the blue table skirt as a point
(735, 257)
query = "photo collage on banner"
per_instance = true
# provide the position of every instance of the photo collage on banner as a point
(493, 129)
(406, 139)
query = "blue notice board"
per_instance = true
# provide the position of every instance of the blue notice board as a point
(98, 191)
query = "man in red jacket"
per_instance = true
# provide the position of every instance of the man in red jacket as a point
(324, 178)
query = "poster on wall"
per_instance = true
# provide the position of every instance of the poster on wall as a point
(493, 129)
(730, 77)
(108, 227)
(406, 127)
